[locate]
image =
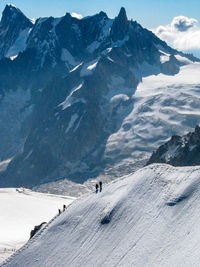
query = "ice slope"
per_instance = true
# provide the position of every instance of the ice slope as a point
(149, 218)
(20, 211)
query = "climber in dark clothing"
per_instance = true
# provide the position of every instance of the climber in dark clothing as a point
(100, 185)
(97, 187)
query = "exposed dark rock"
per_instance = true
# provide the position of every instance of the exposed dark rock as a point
(179, 151)
(120, 26)
(36, 229)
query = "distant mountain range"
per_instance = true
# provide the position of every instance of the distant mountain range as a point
(67, 87)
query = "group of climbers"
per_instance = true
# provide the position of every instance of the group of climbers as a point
(64, 208)
(98, 187)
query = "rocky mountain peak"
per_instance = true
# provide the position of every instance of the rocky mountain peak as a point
(120, 25)
(12, 13)
(103, 14)
(122, 15)
(14, 24)
(11, 9)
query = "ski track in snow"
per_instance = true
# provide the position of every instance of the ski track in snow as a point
(149, 218)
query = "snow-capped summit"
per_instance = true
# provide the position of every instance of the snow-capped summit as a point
(75, 15)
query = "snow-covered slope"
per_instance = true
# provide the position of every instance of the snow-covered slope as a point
(21, 209)
(150, 218)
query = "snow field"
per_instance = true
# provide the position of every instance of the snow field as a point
(21, 210)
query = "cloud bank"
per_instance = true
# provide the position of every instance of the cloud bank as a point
(182, 33)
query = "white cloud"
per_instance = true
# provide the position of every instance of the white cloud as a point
(182, 23)
(183, 33)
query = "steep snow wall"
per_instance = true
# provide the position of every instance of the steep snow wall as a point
(150, 218)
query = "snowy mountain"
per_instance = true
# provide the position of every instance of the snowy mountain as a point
(149, 218)
(21, 209)
(84, 95)
(179, 150)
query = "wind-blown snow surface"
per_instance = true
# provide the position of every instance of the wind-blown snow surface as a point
(163, 106)
(21, 210)
(149, 218)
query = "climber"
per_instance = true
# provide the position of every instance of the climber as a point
(100, 185)
(97, 187)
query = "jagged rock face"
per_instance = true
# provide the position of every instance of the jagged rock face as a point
(14, 25)
(120, 26)
(81, 76)
(179, 151)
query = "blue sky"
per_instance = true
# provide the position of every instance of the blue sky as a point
(149, 13)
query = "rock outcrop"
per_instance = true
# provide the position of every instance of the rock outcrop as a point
(179, 151)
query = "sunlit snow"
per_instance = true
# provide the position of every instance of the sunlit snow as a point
(21, 209)
(149, 218)
(70, 100)
(89, 67)
(75, 15)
